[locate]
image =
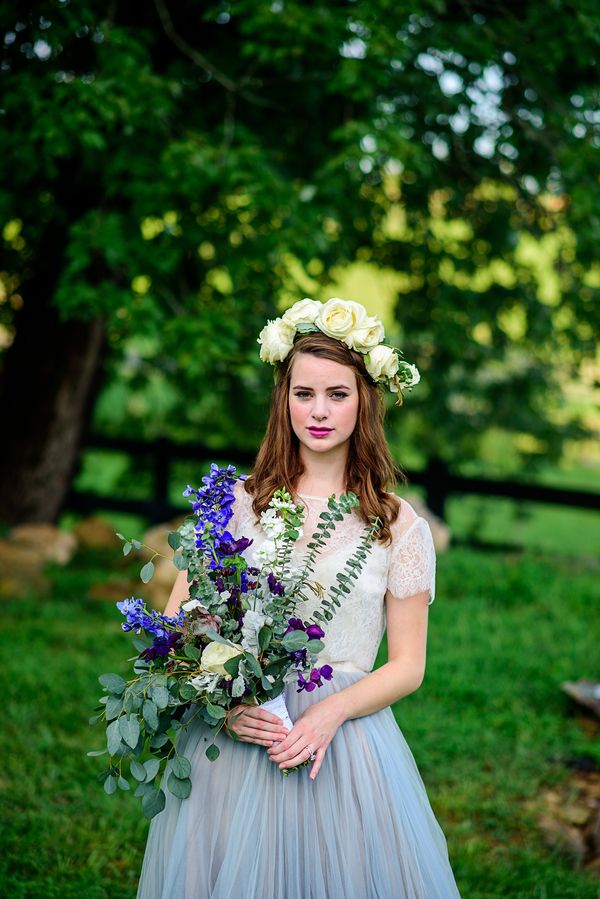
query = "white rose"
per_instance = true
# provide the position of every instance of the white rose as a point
(369, 335)
(338, 318)
(304, 311)
(216, 654)
(382, 362)
(276, 339)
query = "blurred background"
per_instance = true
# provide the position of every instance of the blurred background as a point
(173, 175)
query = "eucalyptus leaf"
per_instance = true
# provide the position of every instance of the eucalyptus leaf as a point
(215, 710)
(110, 785)
(212, 752)
(179, 788)
(180, 562)
(122, 783)
(181, 767)
(129, 727)
(147, 572)
(113, 737)
(113, 683)
(152, 767)
(150, 714)
(160, 696)
(174, 539)
(153, 802)
(138, 771)
(114, 707)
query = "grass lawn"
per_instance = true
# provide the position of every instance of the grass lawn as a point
(489, 728)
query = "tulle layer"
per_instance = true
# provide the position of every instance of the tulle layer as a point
(363, 829)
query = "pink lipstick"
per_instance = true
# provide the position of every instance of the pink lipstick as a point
(320, 432)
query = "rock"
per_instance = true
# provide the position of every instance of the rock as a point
(53, 544)
(585, 692)
(21, 570)
(95, 533)
(439, 529)
(115, 589)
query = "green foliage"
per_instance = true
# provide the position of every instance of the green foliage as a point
(183, 191)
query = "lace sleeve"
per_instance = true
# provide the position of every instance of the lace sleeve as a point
(412, 562)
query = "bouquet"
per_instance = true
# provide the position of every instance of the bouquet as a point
(237, 639)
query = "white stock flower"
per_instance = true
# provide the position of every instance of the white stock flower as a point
(216, 654)
(272, 524)
(369, 335)
(267, 554)
(303, 312)
(276, 340)
(382, 362)
(338, 318)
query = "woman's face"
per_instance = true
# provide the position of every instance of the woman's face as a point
(323, 402)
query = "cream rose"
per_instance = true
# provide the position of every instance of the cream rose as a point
(216, 654)
(382, 362)
(369, 335)
(304, 311)
(276, 339)
(338, 318)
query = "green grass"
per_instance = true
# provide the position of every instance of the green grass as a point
(489, 728)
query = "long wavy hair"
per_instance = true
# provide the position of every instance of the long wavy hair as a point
(370, 469)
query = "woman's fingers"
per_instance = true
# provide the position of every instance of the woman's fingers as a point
(318, 762)
(255, 725)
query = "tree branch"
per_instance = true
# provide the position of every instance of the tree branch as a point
(233, 87)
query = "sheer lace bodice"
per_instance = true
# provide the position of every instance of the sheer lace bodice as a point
(405, 567)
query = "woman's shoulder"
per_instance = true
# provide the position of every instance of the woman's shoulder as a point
(407, 516)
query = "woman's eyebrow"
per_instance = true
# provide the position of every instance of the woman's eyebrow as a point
(338, 387)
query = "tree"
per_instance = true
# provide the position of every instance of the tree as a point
(168, 171)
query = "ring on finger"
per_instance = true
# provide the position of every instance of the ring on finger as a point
(311, 755)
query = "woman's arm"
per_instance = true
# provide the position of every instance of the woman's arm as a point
(179, 594)
(401, 675)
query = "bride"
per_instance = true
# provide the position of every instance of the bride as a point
(357, 822)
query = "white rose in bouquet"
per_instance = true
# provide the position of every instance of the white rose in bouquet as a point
(382, 362)
(216, 654)
(276, 340)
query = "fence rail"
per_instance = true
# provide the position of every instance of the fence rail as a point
(437, 480)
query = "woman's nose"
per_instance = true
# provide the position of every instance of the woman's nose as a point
(319, 410)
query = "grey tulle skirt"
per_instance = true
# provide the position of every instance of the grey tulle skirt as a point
(363, 829)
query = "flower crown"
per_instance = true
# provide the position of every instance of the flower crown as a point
(348, 322)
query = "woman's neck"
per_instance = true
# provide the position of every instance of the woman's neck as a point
(323, 474)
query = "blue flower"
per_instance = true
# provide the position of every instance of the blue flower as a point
(138, 618)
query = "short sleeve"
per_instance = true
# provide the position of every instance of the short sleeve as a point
(412, 561)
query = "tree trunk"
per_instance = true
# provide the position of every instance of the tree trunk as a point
(45, 394)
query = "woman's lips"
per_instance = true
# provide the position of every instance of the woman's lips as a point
(320, 432)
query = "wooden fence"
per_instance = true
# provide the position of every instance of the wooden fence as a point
(437, 480)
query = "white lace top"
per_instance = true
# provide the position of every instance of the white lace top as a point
(405, 567)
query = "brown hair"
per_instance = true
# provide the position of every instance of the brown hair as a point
(369, 468)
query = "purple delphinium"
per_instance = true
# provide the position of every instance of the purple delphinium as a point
(162, 646)
(315, 678)
(137, 617)
(213, 503)
(227, 546)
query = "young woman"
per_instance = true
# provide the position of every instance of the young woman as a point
(356, 823)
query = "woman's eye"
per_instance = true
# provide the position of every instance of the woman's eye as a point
(340, 396)
(301, 394)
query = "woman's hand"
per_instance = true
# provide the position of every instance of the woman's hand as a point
(254, 725)
(312, 733)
